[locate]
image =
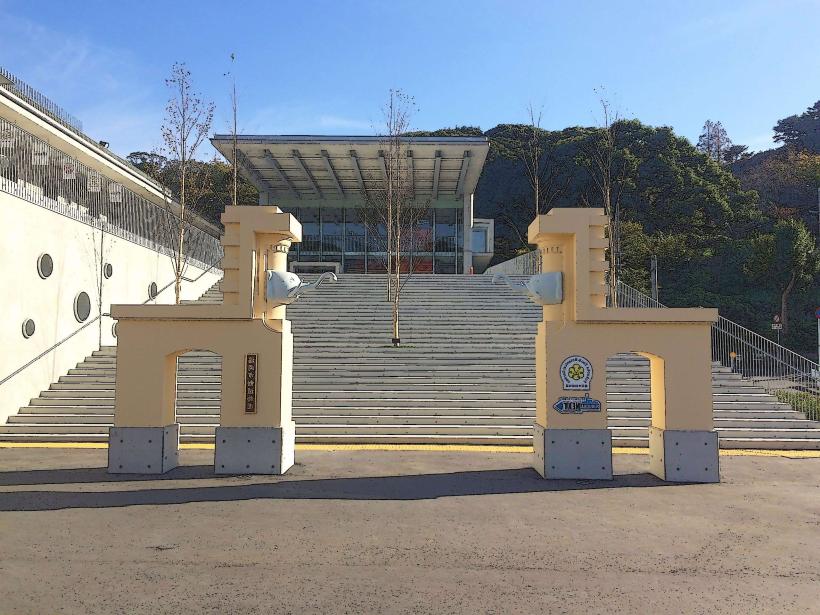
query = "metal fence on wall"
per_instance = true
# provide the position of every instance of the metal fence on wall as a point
(33, 170)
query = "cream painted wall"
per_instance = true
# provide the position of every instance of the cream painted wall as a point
(28, 231)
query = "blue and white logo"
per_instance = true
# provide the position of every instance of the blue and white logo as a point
(576, 373)
(577, 405)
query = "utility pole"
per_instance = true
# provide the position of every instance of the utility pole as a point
(653, 277)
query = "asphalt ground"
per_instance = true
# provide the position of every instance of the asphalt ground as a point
(364, 531)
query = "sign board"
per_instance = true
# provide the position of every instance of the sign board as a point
(69, 169)
(251, 364)
(576, 373)
(776, 319)
(776, 326)
(817, 313)
(577, 405)
(7, 138)
(39, 156)
(94, 182)
(114, 193)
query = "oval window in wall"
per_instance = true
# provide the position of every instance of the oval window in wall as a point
(28, 328)
(45, 265)
(108, 270)
(152, 290)
(82, 307)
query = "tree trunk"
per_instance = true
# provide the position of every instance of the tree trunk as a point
(181, 245)
(613, 247)
(397, 289)
(100, 278)
(784, 298)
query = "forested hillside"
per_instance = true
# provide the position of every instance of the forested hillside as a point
(735, 240)
(729, 229)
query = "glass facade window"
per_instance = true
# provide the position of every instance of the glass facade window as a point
(377, 242)
(447, 230)
(334, 234)
(445, 264)
(376, 264)
(423, 264)
(354, 264)
(422, 239)
(311, 237)
(480, 240)
(355, 233)
(332, 230)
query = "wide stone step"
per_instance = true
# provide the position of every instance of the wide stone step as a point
(62, 419)
(722, 424)
(465, 374)
(81, 385)
(617, 441)
(523, 384)
(69, 411)
(785, 443)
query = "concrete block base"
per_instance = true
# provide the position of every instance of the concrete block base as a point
(254, 450)
(143, 450)
(572, 453)
(684, 456)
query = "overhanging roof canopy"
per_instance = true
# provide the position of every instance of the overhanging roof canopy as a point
(297, 168)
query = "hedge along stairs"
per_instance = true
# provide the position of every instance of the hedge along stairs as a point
(464, 374)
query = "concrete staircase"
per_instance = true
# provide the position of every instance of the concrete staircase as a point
(465, 374)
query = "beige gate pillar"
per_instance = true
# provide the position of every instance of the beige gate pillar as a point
(249, 331)
(579, 333)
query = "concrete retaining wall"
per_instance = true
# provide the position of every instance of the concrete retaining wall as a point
(27, 232)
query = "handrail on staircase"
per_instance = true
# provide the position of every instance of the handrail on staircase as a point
(793, 378)
(90, 322)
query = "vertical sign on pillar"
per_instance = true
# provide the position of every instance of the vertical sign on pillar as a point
(251, 365)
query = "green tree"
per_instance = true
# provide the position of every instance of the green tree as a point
(786, 259)
(735, 153)
(801, 131)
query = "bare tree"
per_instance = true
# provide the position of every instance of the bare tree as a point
(547, 176)
(391, 213)
(187, 123)
(97, 252)
(531, 153)
(608, 168)
(233, 131)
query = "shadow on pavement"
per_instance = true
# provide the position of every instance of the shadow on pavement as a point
(63, 476)
(407, 487)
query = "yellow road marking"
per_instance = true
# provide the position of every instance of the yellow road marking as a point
(461, 448)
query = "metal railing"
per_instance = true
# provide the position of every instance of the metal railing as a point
(355, 243)
(634, 298)
(38, 100)
(39, 173)
(526, 264)
(793, 378)
(43, 104)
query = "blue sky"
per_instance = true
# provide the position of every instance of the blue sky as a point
(325, 67)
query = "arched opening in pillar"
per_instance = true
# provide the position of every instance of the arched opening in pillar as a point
(198, 394)
(628, 399)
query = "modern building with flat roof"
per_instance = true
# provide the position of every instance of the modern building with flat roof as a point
(322, 180)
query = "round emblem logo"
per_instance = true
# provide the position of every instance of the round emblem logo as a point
(576, 373)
